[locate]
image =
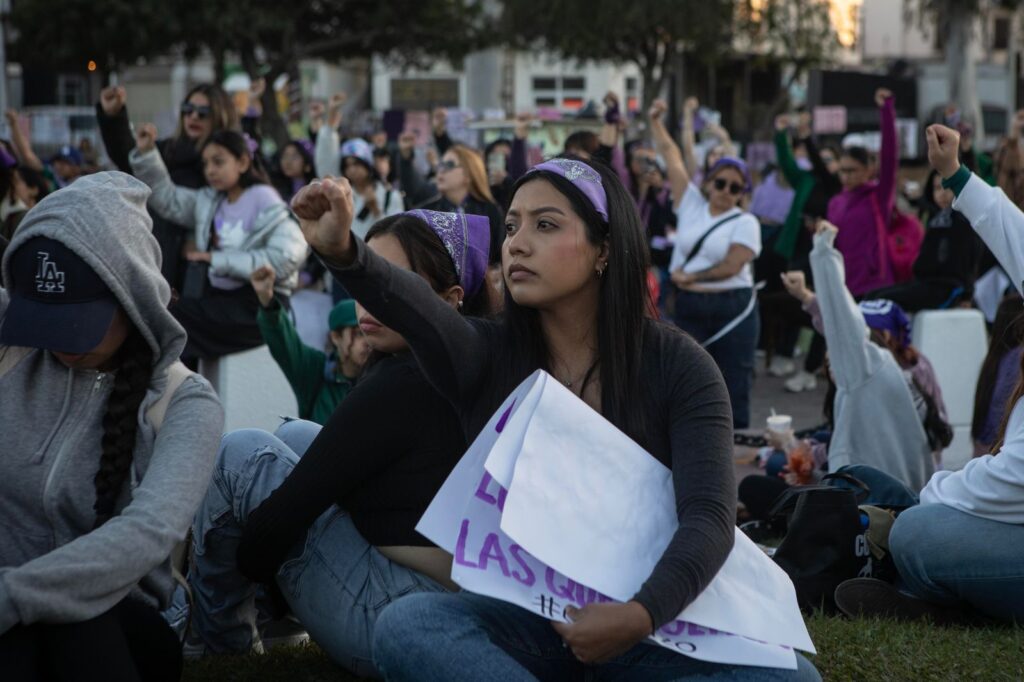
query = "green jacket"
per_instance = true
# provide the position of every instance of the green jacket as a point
(802, 183)
(318, 387)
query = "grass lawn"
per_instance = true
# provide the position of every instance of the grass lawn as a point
(847, 650)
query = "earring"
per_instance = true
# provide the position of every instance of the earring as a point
(460, 304)
(600, 271)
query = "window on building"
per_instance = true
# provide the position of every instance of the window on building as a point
(72, 91)
(563, 92)
(632, 94)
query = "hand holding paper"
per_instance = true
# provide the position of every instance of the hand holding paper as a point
(600, 632)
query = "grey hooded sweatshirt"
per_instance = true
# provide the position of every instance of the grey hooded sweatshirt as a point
(54, 568)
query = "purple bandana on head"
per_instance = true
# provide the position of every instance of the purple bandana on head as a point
(889, 316)
(583, 177)
(467, 238)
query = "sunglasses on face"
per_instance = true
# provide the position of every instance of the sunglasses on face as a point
(734, 187)
(447, 165)
(203, 112)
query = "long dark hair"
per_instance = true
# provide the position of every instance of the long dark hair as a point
(121, 423)
(1007, 334)
(859, 154)
(222, 110)
(238, 146)
(282, 182)
(906, 355)
(429, 258)
(623, 302)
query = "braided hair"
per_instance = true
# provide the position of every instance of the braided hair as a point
(120, 424)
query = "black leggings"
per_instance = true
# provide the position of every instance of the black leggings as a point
(131, 641)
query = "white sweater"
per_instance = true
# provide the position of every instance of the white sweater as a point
(992, 486)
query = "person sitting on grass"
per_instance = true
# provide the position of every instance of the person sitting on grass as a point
(962, 549)
(108, 442)
(320, 380)
(574, 262)
(334, 532)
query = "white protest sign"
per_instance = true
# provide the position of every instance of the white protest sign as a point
(488, 562)
(612, 540)
(440, 522)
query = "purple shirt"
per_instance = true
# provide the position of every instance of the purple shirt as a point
(234, 222)
(771, 200)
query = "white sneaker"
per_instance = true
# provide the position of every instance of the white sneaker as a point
(781, 366)
(801, 381)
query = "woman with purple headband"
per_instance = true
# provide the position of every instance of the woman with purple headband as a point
(574, 262)
(716, 243)
(334, 531)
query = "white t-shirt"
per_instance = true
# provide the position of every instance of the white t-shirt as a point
(694, 220)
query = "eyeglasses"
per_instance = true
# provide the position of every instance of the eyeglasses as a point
(848, 170)
(734, 187)
(201, 111)
(447, 165)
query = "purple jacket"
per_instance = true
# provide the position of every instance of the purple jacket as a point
(857, 213)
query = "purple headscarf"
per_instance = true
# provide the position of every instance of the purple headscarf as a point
(887, 315)
(583, 177)
(467, 238)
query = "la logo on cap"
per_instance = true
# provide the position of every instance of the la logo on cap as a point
(49, 280)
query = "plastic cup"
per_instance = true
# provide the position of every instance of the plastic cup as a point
(780, 424)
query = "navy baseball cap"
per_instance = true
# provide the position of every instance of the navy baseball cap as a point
(69, 154)
(57, 302)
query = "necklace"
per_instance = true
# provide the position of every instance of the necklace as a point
(570, 382)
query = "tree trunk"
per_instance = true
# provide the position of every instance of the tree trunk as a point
(960, 64)
(219, 64)
(272, 125)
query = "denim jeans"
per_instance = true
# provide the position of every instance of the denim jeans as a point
(702, 315)
(949, 557)
(334, 581)
(454, 637)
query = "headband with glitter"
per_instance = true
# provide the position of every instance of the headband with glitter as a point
(583, 177)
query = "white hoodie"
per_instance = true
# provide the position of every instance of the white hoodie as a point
(992, 486)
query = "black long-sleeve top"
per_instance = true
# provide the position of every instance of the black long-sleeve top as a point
(381, 456)
(685, 402)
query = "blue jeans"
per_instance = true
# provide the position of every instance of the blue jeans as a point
(946, 556)
(702, 315)
(334, 581)
(453, 637)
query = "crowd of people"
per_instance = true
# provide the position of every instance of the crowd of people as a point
(644, 275)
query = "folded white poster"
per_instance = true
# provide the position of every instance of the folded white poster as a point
(589, 503)
(592, 504)
(489, 562)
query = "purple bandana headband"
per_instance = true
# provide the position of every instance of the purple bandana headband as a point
(583, 177)
(885, 314)
(467, 238)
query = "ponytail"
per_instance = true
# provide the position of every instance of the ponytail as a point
(121, 424)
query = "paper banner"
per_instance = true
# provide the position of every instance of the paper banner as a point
(529, 480)
(488, 562)
(602, 510)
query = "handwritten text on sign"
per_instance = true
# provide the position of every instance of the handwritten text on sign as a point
(488, 562)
